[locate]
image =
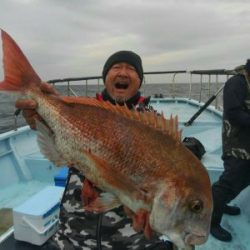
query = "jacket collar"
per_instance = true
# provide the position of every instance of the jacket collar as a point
(133, 101)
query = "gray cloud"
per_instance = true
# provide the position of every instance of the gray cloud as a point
(73, 38)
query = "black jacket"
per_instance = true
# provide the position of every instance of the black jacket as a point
(236, 118)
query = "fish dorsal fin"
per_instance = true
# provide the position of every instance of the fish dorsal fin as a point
(18, 72)
(152, 119)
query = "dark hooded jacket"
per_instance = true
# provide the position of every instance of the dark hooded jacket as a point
(236, 117)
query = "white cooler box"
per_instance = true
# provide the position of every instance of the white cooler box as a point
(36, 220)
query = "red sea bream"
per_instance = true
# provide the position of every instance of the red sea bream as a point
(136, 158)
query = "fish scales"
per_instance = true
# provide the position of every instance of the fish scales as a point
(74, 118)
(97, 138)
(138, 158)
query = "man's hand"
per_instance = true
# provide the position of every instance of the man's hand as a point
(29, 106)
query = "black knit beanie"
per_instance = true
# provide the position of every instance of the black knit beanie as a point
(247, 66)
(123, 56)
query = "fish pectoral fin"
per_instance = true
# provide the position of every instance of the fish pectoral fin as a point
(46, 143)
(103, 203)
(89, 192)
(116, 179)
(141, 223)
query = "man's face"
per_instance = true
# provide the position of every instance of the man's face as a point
(122, 82)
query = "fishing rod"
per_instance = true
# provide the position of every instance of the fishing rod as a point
(98, 232)
(202, 108)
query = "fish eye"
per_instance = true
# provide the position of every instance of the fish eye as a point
(196, 206)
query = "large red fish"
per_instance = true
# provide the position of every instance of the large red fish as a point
(137, 158)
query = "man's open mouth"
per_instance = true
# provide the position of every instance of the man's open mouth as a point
(121, 85)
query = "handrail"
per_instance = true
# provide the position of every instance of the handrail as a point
(86, 79)
(204, 85)
(72, 79)
(195, 72)
(165, 72)
(213, 72)
(172, 92)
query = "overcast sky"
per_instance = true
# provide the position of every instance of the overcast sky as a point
(73, 38)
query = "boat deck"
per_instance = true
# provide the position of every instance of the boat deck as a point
(207, 125)
(239, 228)
(206, 128)
(11, 244)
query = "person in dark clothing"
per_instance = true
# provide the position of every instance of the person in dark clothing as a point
(82, 230)
(236, 149)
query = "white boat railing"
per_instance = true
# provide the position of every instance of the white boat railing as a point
(201, 84)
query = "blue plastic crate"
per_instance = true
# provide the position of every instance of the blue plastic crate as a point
(60, 178)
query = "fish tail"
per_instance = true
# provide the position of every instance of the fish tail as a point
(18, 72)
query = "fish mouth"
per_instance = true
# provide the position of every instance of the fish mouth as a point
(121, 85)
(195, 239)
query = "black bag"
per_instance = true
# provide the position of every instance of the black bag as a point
(195, 146)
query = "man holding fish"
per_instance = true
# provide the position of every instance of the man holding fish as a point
(122, 76)
(136, 158)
